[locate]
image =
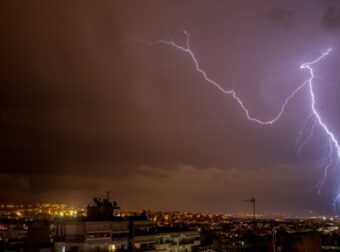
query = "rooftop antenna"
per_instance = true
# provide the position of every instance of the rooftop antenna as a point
(252, 201)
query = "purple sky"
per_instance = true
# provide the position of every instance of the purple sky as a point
(86, 109)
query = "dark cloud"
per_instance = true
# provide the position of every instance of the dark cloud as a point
(280, 16)
(331, 18)
(177, 187)
(83, 109)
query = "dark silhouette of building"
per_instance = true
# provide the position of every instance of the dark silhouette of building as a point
(299, 242)
(102, 209)
(38, 237)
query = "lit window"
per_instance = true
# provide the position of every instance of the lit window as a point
(112, 247)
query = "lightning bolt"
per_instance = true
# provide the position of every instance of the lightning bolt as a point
(298, 146)
(310, 136)
(332, 141)
(329, 157)
(335, 200)
(187, 50)
(330, 134)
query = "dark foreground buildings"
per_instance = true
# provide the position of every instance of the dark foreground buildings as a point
(106, 228)
(287, 242)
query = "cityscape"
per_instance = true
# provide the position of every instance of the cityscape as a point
(103, 226)
(170, 126)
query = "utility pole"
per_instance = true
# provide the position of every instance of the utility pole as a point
(253, 201)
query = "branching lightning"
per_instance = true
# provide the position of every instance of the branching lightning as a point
(298, 145)
(312, 95)
(333, 143)
(308, 138)
(231, 92)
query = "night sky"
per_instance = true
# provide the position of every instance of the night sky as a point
(85, 107)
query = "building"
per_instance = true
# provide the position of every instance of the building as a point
(104, 230)
(177, 240)
(299, 242)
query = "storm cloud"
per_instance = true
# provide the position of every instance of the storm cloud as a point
(85, 109)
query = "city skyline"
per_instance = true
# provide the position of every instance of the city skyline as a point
(86, 108)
